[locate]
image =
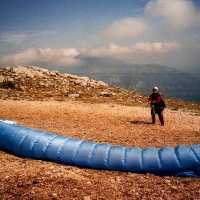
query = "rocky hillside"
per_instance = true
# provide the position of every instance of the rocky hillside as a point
(34, 83)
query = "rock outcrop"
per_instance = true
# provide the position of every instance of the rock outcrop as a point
(34, 83)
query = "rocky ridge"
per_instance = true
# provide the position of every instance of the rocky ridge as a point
(35, 83)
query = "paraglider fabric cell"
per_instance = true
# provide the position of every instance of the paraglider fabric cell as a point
(30, 143)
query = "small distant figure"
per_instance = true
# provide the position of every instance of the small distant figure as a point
(157, 106)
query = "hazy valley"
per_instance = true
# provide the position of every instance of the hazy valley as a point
(140, 78)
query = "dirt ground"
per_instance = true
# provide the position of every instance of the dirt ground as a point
(22, 178)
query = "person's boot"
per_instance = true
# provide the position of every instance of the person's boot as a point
(153, 119)
(162, 121)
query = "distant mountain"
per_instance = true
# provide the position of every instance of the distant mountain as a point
(140, 78)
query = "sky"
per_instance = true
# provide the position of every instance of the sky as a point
(58, 32)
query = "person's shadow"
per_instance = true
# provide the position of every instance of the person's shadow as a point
(137, 122)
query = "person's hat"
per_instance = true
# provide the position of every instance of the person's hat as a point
(155, 88)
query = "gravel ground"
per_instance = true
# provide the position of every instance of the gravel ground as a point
(111, 123)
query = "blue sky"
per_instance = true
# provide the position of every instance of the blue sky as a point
(165, 32)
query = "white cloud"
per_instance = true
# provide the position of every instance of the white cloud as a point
(117, 51)
(156, 47)
(110, 50)
(21, 58)
(129, 27)
(176, 14)
(68, 57)
(53, 57)
(140, 53)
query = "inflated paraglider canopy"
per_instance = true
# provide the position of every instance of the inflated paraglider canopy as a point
(30, 143)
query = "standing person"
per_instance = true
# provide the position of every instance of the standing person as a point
(157, 107)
